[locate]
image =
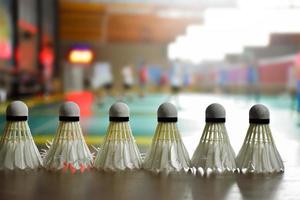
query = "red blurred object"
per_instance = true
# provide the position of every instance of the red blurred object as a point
(274, 72)
(143, 75)
(47, 58)
(297, 65)
(5, 52)
(17, 55)
(27, 26)
(163, 79)
(84, 99)
(297, 59)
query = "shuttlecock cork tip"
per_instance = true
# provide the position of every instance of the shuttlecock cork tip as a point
(167, 112)
(69, 111)
(119, 112)
(17, 111)
(215, 113)
(259, 114)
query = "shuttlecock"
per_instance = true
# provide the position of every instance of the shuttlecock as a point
(214, 154)
(17, 148)
(68, 150)
(259, 153)
(167, 152)
(119, 151)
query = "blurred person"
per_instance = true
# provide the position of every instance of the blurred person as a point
(128, 81)
(108, 85)
(28, 82)
(253, 82)
(102, 79)
(221, 78)
(187, 78)
(46, 59)
(3, 92)
(143, 78)
(297, 65)
(176, 81)
(3, 95)
(107, 78)
(163, 80)
(292, 85)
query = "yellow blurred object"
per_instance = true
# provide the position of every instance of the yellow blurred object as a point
(77, 56)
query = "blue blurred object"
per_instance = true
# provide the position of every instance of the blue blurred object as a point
(155, 73)
(222, 77)
(298, 95)
(252, 75)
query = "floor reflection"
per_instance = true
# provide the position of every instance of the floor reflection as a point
(14, 182)
(259, 187)
(212, 188)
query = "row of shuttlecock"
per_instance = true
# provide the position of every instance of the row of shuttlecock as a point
(119, 152)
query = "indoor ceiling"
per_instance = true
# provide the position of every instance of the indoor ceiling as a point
(125, 22)
(202, 3)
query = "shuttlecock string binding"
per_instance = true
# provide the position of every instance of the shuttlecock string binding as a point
(214, 154)
(17, 147)
(259, 153)
(119, 151)
(69, 150)
(167, 152)
(18, 150)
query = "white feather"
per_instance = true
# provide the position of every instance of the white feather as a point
(17, 148)
(68, 148)
(19, 160)
(119, 151)
(28, 158)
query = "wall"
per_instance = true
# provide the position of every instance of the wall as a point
(273, 50)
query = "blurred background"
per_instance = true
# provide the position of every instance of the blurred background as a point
(145, 52)
(232, 46)
(192, 53)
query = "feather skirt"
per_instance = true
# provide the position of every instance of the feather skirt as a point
(214, 153)
(167, 152)
(68, 149)
(119, 151)
(17, 148)
(259, 153)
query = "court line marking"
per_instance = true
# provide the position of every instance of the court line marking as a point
(93, 140)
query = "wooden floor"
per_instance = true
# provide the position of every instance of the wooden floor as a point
(142, 185)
